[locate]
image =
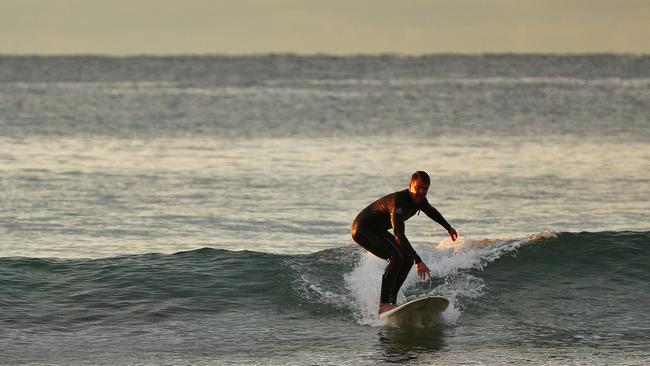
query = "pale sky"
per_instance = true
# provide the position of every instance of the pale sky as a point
(338, 27)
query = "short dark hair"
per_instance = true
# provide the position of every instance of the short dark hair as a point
(421, 175)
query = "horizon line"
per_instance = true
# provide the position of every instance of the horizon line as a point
(324, 54)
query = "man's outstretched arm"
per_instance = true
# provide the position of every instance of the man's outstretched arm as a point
(436, 216)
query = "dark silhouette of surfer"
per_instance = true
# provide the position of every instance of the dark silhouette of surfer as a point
(370, 230)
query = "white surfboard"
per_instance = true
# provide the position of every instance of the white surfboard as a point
(424, 311)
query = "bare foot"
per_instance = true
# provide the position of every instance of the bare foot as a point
(386, 307)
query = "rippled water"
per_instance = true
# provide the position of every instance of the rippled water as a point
(254, 167)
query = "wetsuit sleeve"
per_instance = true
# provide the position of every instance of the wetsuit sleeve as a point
(435, 215)
(397, 220)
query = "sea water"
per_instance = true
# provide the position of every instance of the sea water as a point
(196, 210)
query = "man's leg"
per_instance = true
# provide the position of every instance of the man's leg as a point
(404, 267)
(384, 246)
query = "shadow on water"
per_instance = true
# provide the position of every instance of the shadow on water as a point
(401, 344)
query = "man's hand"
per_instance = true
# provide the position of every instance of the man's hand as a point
(453, 234)
(423, 270)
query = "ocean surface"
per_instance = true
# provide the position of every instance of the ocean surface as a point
(196, 209)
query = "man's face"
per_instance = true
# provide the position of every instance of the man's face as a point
(418, 190)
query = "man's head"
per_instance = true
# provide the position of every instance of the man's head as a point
(419, 186)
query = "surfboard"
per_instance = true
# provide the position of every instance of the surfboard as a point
(424, 311)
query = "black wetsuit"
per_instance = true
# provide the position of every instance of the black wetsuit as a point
(370, 230)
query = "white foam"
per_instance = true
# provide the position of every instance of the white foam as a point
(326, 296)
(364, 282)
(445, 260)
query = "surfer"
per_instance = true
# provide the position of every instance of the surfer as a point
(370, 230)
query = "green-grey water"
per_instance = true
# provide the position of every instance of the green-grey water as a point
(196, 210)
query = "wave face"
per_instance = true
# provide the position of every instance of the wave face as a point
(573, 291)
(585, 288)
(539, 275)
(140, 288)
